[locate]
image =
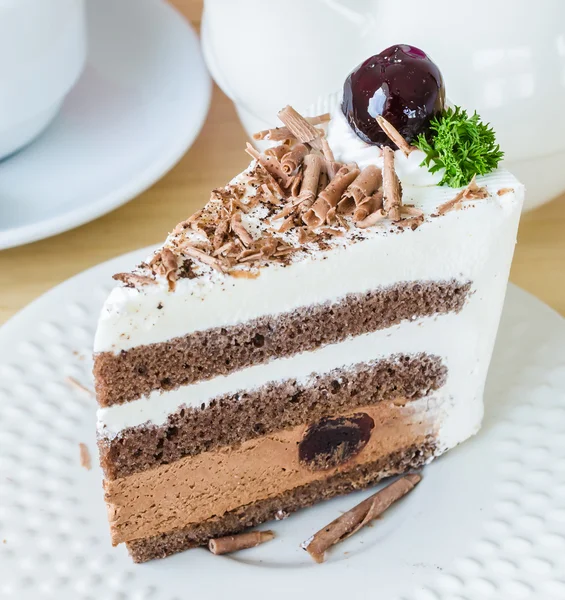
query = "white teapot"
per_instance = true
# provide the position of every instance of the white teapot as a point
(504, 59)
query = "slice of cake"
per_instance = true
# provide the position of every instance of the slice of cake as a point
(326, 320)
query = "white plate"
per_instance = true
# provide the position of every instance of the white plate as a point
(138, 106)
(488, 520)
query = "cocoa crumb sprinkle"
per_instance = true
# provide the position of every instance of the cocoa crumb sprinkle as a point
(294, 197)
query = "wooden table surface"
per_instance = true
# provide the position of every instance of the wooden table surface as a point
(217, 155)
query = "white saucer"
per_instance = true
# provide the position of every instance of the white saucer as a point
(136, 109)
(487, 521)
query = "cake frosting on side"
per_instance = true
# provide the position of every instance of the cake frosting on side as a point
(326, 320)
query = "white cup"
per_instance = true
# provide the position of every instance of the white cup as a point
(42, 54)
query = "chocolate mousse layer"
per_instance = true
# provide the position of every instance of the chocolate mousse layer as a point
(205, 354)
(196, 489)
(278, 507)
(250, 414)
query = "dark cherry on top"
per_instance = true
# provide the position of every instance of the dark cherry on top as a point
(402, 84)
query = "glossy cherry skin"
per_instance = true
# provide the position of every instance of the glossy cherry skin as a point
(402, 84)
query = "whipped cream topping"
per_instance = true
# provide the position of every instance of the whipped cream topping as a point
(348, 147)
(457, 245)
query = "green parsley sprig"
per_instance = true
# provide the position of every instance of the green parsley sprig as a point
(464, 146)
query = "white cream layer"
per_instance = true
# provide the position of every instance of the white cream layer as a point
(463, 341)
(461, 244)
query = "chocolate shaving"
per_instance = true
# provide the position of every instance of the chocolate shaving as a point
(190, 250)
(293, 158)
(411, 211)
(269, 195)
(471, 192)
(394, 135)
(372, 219)
(287, 224)
(300, 127)
(227, 247)
(281, 133)
(392, 189)
(332, 231)
(220, 234)
(355, 519)
(170, 266)
(239, 274)
(133, 279)
(232, 543)
(474, 192)
(411, 223)
(85, 460)
(269, 163)
(239, 230)
(289, 208)
(78, 385)
(271, 182)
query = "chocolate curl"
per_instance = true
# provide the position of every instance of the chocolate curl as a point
(394, 135)
(368, 182)
(295, 185)
(312, 169)
(333, 168)
(281, 133)
(323, 181)
(333, 191)
(368, 206)
(232, 543)
(391, 186)
(327, 151)
(293, 158)
(302, 130)
(353, 520)
(239, 230)
(329, 197)
(277, 151)
(269, 163)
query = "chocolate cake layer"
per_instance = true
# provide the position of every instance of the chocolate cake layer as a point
(233, 419)
(362, 476)
(205, 354)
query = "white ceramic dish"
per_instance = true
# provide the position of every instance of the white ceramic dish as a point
(138, 106)
(487, 522)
